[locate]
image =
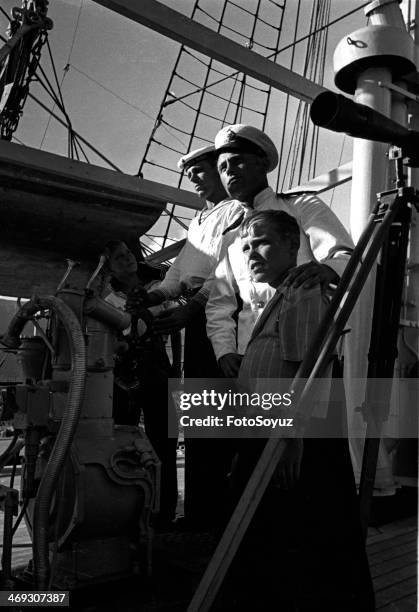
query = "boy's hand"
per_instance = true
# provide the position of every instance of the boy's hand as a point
(136, 300)
(288, 469)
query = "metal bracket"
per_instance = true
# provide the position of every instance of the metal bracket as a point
(42, 335)
(397, 89)
(407, 323)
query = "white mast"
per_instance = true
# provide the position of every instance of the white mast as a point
(367, 64)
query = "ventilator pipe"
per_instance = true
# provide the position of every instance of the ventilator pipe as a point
(68, 424)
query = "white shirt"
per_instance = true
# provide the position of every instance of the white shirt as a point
(118, 299)
(323, 238)
(200, 254)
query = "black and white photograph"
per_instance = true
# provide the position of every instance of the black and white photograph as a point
(209, 305)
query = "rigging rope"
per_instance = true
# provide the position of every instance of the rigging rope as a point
(137, 108)
(96, 151)
(252, 14)
(195, 122)
(269, 90)
(166, 93)
(75, 147)
(7, 17)
(235, 82)
(285, 120)
(184, 77)
(218, 71)
(230, 29)
(27, 33)
(276, 53)
(240, 102)
(202, 89)
(60, 94)
(327, 25)
(301, 159)
(18, 140)
(60, 104)
(75, 32)
(339, 163)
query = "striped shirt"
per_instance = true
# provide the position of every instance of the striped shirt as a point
(284, 332)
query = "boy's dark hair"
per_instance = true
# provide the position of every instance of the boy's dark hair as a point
(146, 272)
(281, 222)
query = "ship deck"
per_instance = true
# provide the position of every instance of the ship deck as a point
(180, 559)
(392, 554)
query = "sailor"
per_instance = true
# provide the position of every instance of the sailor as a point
(206, 463)
(245, 155)
(188, 276)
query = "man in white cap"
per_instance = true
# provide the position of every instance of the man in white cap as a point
(245, 156)
(188, 277)
(189, 273)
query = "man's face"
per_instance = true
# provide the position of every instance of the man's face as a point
(243, 175)
(267, 254)
(204, 177)
(122, 262)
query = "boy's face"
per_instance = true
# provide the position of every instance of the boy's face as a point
(122, 261)
(267, 254)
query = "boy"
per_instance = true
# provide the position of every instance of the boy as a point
(303, 550)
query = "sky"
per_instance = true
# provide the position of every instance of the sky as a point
(113, 74)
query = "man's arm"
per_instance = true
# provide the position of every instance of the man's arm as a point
(221, 327)
(170, 287)
(176, 319)
(330, 244)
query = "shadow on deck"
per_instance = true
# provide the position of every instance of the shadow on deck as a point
(180, 559)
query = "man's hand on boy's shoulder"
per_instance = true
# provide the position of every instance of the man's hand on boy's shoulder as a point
(310, 274)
